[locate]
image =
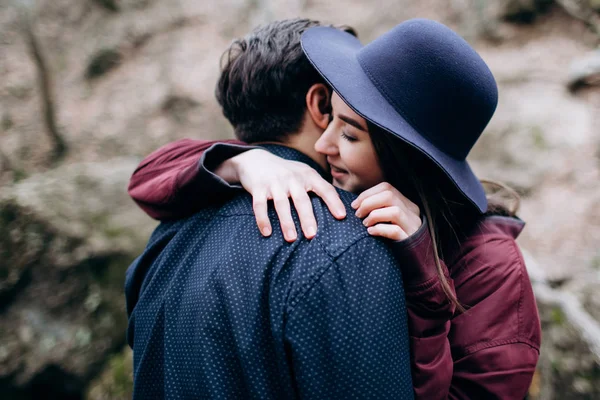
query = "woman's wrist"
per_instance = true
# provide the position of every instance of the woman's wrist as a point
(228, 171)
(221, 160)
(416, 257)
(232, 169)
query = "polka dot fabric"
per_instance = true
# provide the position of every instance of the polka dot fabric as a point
(216, 311)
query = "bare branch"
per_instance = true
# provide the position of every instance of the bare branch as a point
(45, 83)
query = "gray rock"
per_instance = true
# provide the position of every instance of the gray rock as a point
(585, 71)
(66, 238)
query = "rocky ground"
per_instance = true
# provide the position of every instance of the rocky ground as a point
(91, 86)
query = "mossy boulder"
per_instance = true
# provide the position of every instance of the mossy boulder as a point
(66, 238)
(116, 381)
(568, 368)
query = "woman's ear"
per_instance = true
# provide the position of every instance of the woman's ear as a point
(318, 104)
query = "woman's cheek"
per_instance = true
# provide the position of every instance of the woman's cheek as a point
(372, 170)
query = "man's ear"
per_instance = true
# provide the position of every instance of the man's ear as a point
(318, 104)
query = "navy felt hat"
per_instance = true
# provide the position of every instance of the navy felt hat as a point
(421, 82)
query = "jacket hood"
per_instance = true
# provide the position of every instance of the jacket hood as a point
(483, 233)
(496, 224)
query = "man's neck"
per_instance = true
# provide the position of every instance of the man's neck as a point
(289, 153)
(305, 144)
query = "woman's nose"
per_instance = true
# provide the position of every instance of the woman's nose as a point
(325, 145)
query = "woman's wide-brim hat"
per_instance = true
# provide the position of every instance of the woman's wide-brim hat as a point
(421, 82)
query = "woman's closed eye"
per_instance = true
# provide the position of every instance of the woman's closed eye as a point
(348, 137)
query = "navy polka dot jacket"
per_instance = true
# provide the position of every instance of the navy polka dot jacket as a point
(218, 311)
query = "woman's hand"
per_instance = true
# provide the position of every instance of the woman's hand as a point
(268, 177)
(388, 212)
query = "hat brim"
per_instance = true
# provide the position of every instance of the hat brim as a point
(334, 54)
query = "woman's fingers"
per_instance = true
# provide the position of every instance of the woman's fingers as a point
(297, 185)
(305, 211)
(394, 215)
(388, 231)
(378, 200)
(381, 187)
(385, 187)
(381, 205)
(259, 204)
(327, 192)
(284, 212)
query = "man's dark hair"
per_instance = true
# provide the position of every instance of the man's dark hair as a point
(264, 80)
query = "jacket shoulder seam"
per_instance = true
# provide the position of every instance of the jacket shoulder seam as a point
(315, 278)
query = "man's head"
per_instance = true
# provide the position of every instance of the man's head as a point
(265, 82)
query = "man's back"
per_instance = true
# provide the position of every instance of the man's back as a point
(218, 311)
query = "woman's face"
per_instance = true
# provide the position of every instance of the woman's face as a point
(350, 153)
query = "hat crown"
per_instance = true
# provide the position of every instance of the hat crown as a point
(435, 80)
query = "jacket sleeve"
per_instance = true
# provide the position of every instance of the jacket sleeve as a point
(500, 372)
(346, 328)
(429, 315)
(177, 179)
(491, 350)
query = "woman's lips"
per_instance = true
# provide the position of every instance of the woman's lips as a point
(337, 172)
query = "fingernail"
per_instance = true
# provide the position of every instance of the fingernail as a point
(291, 235)
(266, 231)
(353, 204)
(311, 231)
(357, 214)
(365, 222)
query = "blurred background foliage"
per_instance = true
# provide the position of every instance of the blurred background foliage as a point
(89, 87)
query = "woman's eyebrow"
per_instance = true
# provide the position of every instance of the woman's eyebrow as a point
(352, 122)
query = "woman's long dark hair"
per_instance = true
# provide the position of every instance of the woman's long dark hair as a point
(449, 215)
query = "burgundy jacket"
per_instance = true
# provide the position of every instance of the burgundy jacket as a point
(488, 352)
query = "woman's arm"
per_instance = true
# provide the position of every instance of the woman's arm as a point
(175, 180)
(429, 315)
(491, 350)
(389, 214)
(188, 175)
